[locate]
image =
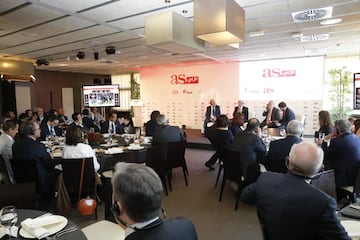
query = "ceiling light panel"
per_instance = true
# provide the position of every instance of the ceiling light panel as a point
(312, 14)
(315, 37)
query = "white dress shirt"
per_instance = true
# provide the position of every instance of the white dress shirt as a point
(81, 150)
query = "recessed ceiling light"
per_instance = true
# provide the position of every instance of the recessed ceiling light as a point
(256, 34)
(330, 21)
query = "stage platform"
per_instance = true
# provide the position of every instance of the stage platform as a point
(196, 140)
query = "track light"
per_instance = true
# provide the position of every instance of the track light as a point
(42, 61)
(96, 55)
(80, 55)
(2, 77)
(110, 50)
(32, 78)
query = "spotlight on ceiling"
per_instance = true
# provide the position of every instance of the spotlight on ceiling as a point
(42, 61)
(96, 55)
(2, 77)
(32, 78)
(110, 50)
(80, 55)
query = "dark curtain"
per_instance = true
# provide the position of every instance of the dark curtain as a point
(7, 97)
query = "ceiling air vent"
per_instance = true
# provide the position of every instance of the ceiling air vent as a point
(315, 37)
(312, 14)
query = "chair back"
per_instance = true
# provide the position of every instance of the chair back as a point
(175, 154)
(326, 183)
(21, 195)
(156, 160)
(136, 156)
(24, 170)
(357, 183)
(301, 118)
(3, 171)
(71, 176)
(232, 165)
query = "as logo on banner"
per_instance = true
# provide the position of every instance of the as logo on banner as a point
(277, 72)
(183, 79)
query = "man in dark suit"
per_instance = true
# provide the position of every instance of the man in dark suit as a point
(166, 133)
(287, 115)
(288, 206)
(137, 200)
(151, 126)
(279, 149)
(243, 109)
(112, 125)
(272, 116)
(212, 112)
(50, 127)
(28, 148)
(252, 149)
(343, 154)
(88, 122)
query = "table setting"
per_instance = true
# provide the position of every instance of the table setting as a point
(34, 224)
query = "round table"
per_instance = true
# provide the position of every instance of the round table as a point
(28, 213)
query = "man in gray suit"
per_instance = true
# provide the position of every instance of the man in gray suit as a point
(166, 133)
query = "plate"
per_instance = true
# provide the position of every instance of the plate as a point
(52, 229)
(109, 145)
(46, 142)
(135, 147)
(352, 227)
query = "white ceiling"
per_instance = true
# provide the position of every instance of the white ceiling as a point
(58, 29)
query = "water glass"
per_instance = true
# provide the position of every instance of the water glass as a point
(282, 132)
(321, 136)
(8, 217)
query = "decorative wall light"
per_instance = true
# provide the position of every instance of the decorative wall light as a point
(172, 32)
(16, 70)
(219, 22)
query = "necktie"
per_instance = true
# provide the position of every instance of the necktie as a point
(213, 111)
(52, 131)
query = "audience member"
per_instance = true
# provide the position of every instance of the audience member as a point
(252, 149)
(288, 206)
(237, 123)
(126, 124)
(357, 127)
(77, 120)
(166, 133)
(287, 115)
(10, 115)
(112, 125)
(137, 200)
(343, 154)
(62, 117)
(212, 112)
(75, 148)
(97, 117)
(50, 127)
(242, 109)
(7, 139)
(326, 126)
(151, 126)
(29, 149)
(222, 140)
(28, 113)
(272, 116)
(88, 122)
(40, 113)
(279, 149)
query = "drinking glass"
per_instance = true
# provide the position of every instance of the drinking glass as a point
(126, 129)
(321, 136)
(8, 217)
(137, 132)
(282, 132)
(109, 140)
(127, 139)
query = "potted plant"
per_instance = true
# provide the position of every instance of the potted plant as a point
(340, 92)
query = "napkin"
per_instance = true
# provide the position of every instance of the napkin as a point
(114, 150)
(36, 226)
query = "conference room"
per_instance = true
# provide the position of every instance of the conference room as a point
(53, 53)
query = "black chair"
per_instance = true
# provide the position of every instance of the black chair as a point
(3, 171)
(353, 192)
(24, 171)
(156, 160)
(176, 158)
(232, 171)
(21, 195)
(326, 183)
(71, 176)
(136, 156)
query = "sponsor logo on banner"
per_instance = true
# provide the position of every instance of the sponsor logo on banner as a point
(277, 72)
(183, 79)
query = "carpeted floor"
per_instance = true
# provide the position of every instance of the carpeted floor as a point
(199, 202)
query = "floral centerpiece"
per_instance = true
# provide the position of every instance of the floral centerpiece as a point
(95, 139)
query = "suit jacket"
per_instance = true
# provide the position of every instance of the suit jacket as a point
(29, 149)
(343, 155)
(223, 139)
(167, 134)
(290, 208)
(245, 111)
(89, 123)
(45, 131)
(174, 229)
(208, 112)
(252, 150)
(287, 117)
(150, 127)
(280, 149)
(105, 127)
